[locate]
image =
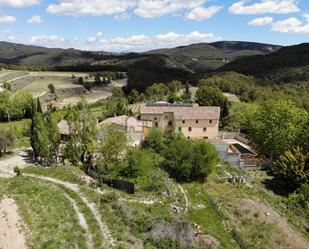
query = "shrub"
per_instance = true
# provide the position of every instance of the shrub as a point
(17, 171)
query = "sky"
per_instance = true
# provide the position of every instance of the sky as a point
(141, 25)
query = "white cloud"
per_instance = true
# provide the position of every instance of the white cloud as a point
(156, 8)
(94, 39)
(90, 7)
(122, 17)
(19, 3)
(13, 36)
(52, 41)
(201, 13)
(142, 8)
(261, 21)
(142, 42)
(265, 6)
(35, 20)
(7, 19)
(292, 25)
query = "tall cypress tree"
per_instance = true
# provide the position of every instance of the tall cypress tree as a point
(38, 106)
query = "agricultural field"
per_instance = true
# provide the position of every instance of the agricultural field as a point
(68, 92)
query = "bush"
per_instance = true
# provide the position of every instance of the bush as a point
(17, 171)
(299, 200)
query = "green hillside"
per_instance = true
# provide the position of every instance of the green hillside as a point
(204, 57)
(27, 55)
(289, 64)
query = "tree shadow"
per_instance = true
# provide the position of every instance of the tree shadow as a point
(277, 185)
(28, 156)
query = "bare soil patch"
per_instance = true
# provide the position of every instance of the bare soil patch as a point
(11, 226)
(269, 215)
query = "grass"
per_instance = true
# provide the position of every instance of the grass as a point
(64, 173)
(206, 217)
(130, 222)
(46, 211)
(255, 229)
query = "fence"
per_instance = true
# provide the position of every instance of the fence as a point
(122, 185)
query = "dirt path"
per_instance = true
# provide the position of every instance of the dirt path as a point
(269, 215)
(82, 221)
(22, 159)
(109, 240)
(186, 197)
(11, 226)
(21, 77)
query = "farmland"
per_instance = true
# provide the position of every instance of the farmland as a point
(67, 90)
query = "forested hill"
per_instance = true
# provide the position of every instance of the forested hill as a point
(204, 57)
(289, 64)
(27, 55)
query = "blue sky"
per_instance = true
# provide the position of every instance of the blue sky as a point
(139, 25)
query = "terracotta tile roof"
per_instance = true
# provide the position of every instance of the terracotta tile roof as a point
(184, 112)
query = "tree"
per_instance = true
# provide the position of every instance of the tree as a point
(277, 127)
(187, 95)
(7, 140)
(134, 96)
(5, 105)
(51, 88)
(188, 160)
(83, 132)
(293, 166)
(80, 80)
(54, 137)
(39, 138)
(7, 86)
(209, 96)
(173, 97)
(117, 92)
(157, 91)
(138, 161)
(155, 140)
(38, 106)
(240, 117)
(112, 147)
(175, 85)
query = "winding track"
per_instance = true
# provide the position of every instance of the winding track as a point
(109, 240)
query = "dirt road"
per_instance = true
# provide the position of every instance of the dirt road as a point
(11, 226)
(21, 159)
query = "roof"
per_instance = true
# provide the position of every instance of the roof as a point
(184, 112)
(63, 127)
(125, 121)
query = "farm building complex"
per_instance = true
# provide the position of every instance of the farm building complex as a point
(192, 120)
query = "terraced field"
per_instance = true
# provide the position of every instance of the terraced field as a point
(67, 91)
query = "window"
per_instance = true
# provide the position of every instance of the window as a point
(210, 121)
(170, 123)
(206, 138)
(190, 128)
(179, 129)
(156, 124)
(205, 129)
(166, 117)
(155, 118)
(196, 121)
(183, 121)
(189, 137)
